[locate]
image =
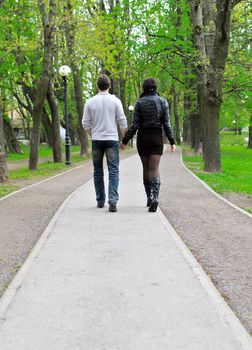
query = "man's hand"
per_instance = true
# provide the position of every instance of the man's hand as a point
(123, 146)
(173, 148)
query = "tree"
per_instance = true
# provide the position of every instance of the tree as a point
(237, 104)
(48, 22)
(56, 139)
(212, 26)
(78, 91)
(3, 165)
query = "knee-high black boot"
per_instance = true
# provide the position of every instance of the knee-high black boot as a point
(155, 186)
(147, 186)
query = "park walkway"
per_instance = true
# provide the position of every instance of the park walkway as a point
(98, 280)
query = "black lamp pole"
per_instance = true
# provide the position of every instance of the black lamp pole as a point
(67, 137)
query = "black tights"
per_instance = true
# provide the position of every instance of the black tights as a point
(150, 166)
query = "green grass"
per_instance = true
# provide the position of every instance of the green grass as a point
(44, 169)
(236, 166)
(6, 189)
(44, 151)
(228, 138)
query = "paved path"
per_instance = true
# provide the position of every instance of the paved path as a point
(98, 280)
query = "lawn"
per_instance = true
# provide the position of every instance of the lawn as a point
(44, 170)
(236, 165)
(44, 151)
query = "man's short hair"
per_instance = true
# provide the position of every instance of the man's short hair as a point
(103, 82)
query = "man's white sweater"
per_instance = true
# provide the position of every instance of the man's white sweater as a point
(102, 113)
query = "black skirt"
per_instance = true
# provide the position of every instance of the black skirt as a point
(150, 142)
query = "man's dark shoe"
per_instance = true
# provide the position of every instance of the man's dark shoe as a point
(100, 205)
(112, 208)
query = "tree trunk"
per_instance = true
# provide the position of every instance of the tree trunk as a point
(10, 137)
(23, 107)
(122, 84)
(201, 79)
(78, 91)
(72, 131)
(195, 132)
(250, 134)
(3, 164)
(187, 134)
(56, 139)
(47, 125)
(48, 27)
(212, 42)
(176, 115)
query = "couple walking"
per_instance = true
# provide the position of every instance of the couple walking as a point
(102, 114)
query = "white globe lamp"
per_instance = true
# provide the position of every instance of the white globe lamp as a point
(64, 71)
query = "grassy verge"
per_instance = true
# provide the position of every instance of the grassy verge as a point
(6, 189)
(44, 151)
(236, 164)
(44, 170)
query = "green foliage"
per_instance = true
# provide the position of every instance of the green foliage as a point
(237, 106)
(130, 40)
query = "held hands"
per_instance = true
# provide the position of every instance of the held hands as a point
(173, 148)
(123, 146)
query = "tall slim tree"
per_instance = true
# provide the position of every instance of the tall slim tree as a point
(3, 164)
(48, 22)
(56, 139)
(78, 90)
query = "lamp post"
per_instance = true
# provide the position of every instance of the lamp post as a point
(235, 130)
(131, 109)
(64, 71)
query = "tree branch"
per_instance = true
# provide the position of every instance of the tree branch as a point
(173, 76)
(237, 88)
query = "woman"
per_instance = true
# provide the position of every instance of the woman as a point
(151, 116)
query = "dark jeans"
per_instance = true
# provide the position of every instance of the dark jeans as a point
(111, 150)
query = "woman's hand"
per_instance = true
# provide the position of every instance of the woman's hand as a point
(123, 146)
(173, 148)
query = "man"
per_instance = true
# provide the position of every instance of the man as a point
(102, 113)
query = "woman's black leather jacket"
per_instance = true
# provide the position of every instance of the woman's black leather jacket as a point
(151, 112)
